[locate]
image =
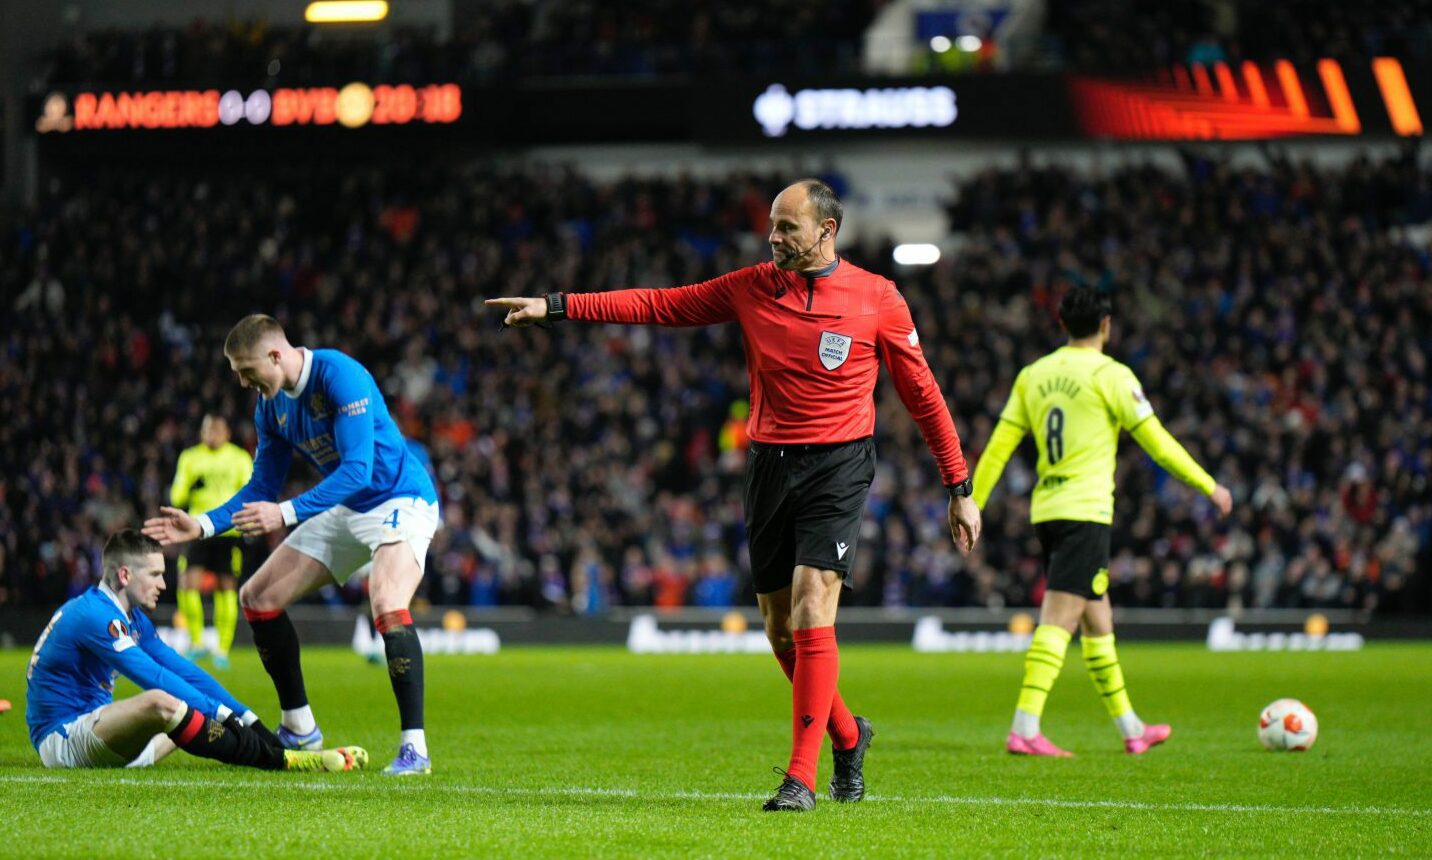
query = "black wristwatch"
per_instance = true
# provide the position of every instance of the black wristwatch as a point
(963, 488)
(556, 307)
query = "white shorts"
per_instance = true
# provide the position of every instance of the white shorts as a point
(344, 540)
(76, 745)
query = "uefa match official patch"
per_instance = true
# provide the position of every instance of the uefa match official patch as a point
(834, 349)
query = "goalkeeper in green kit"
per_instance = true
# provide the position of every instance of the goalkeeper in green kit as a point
(1075, 401)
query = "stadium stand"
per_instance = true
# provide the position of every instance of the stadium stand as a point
(511, 40)
(1133, 36)
(1278, 317)
(490, 42)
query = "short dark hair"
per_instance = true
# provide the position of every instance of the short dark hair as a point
(125, 548)
(249, 332)
(1082, 309)
(825, 201)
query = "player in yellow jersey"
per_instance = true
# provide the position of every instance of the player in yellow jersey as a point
(208, 475)
(1075, 401)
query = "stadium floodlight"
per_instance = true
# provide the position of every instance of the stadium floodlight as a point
(921, 254)
(940, 44)
(969, 43)
(345, 11)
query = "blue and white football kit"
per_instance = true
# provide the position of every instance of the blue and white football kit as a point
(89, 642)
(373, 492)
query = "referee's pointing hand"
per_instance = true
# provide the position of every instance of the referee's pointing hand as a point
(964, 522)
(520, 312)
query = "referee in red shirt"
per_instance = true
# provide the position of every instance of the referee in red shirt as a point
(816, 330)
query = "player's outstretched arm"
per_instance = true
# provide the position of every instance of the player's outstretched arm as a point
(172, 526)
(1165, 450)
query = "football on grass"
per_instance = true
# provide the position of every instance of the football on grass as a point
(1287, 724)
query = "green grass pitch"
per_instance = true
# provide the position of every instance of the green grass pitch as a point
(548, 752)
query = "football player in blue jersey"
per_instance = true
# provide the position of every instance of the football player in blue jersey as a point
(374, 503)
(73, 718)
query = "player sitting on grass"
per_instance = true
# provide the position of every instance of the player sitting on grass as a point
(1075, 401)
(73, 718)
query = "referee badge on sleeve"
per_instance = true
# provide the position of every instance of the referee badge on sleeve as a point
(834, 349)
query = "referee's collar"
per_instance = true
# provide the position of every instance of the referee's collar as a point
(826, 272)
(297, 391)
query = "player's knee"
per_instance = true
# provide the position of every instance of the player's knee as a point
(254, 599)
(1095, 627)
(161, 706)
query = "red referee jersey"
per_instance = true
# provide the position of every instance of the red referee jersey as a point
(813, 349)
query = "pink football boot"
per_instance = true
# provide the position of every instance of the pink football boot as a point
(1152, 737)
(1037, 745)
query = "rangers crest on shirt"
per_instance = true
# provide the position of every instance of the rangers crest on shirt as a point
(834, 349)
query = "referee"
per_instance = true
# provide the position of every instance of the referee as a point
(208, 475)
(816, 329)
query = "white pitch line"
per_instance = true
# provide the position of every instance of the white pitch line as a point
(338, 783)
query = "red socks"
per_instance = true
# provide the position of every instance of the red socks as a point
(813, 682)
(841, 727)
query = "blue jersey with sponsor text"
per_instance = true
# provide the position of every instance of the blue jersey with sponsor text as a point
(337, 419)
(89, 642)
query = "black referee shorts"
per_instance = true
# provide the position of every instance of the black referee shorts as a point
(803, 506)
(217, 555)
(1076, 556)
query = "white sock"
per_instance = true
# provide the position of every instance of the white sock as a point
(1130, 725)
(1026, 725)
(299, 720)
(418, 739)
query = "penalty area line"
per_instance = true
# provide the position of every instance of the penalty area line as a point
(346, 784)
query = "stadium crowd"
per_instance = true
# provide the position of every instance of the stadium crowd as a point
(490, 42)
(1132, 36)
(1278, 317)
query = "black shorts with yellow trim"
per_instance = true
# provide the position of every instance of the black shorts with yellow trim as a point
(1076, 556)
(216, 555)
